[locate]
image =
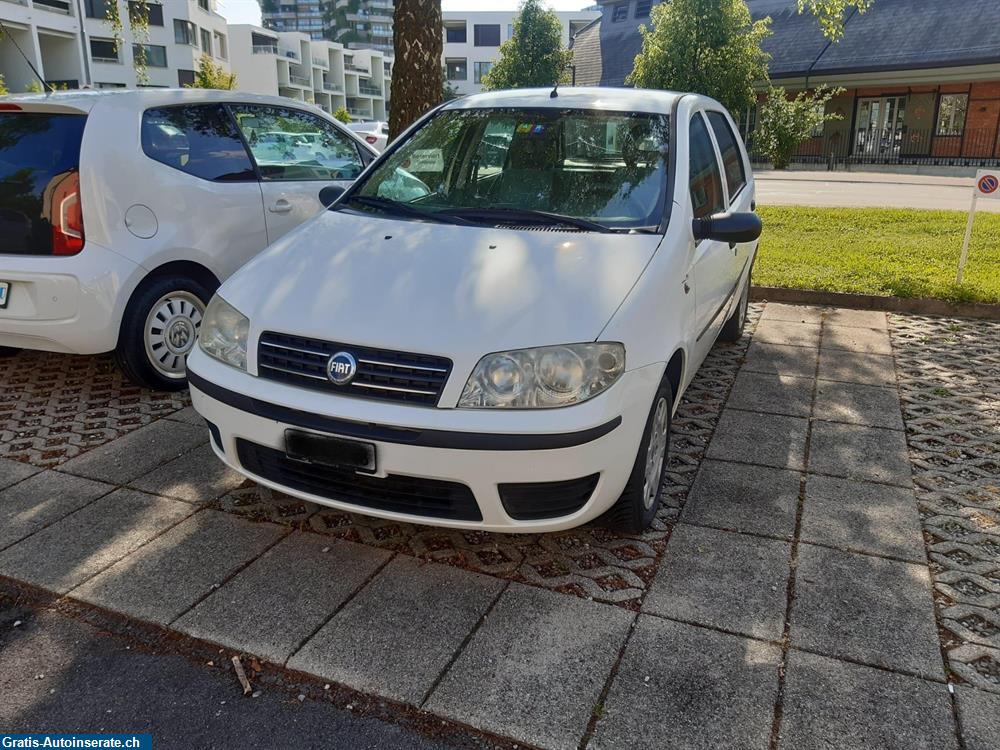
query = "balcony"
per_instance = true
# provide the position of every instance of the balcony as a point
(323, 62)
(331, 86)
(265, 49)
(289, 53)
(57, 6)
(299, 80)
(357, 69)
(369, 90)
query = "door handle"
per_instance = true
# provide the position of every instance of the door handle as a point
(281, 206)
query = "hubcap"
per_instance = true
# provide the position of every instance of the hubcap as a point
(655, 454)
(171, 330)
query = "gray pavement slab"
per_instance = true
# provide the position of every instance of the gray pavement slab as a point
(398, 634)
(535, 669)
(843, 316)
(12, 472)
(773, 394)
(188, 415)
(868, 609)
(138, 452)
(197, 477)
(757, 438)
(280, 599)
(41, 500)
(781, 359)
(857, 367)
(793, 313)
(855, 403)
(849, 338)
(863, 517)
(842, 706)
(734, 582)
(979, 715)
(859, 452)
(167, 576)
(787, 332)
(679, 686)
(63, 555)
(740, 497)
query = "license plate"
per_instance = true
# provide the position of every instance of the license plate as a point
(327, 450)
(4, 293)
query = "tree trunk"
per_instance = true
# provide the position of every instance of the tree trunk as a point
(417, 82)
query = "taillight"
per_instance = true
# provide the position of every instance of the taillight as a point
(67, 216)
(372, 140)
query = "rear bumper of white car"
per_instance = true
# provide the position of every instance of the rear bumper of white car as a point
(71, 304)
(449, 467)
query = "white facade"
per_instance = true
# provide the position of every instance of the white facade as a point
(466, 62)
(49, 34)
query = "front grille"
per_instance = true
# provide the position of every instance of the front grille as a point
(532, 501)
(431, 498)
(383, 374)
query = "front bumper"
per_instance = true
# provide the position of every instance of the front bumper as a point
(478, 449)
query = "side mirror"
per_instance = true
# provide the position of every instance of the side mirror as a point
(329, 195)
(741, 227)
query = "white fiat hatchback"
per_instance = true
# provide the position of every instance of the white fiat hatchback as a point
(121, 212)
(503, 348)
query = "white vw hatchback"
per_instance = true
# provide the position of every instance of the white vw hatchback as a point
(492, 328)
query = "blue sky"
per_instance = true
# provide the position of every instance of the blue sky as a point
(248, 11)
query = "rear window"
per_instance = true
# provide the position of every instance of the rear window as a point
(37, 151)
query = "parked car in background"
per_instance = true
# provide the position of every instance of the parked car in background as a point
(121, 212)
(376, 134)
(504, 348)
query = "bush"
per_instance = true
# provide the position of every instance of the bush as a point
(785, 123)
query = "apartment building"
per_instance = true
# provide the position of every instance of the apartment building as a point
(472, 42)
(356, 24)
(325, 73)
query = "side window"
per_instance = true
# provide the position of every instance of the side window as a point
(732, 160)
(288, 144)
(200, 140)
(705, 180)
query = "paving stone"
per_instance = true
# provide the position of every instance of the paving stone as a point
(684, 687)
(842, 316)
(979, 715)
(197, 477)
(733, 582)
(841, 706)
(755, 438)
(138, 452)
(774, 394)
(738, 497)
(863, 517)
(281, 598)
(857, 367)
(12, 472)
(397, 635)
(799, 361)
(857, 452)
(187, 415)
(855, 403)
(162, 580)
(866, 340)
(535, 669)
(869, 609)
(72, 550)
(790, 333)
(41, 500)
(793, 313)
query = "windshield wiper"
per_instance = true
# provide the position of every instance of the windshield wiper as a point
(515, 215)
(400, 209)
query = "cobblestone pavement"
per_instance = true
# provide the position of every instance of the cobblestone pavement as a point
(825, 573)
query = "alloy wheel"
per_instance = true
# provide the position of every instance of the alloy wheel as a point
(171, 330)
(655, 454)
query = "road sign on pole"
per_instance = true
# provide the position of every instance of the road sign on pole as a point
(987, 187)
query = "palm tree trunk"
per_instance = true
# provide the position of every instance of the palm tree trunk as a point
(417, 81)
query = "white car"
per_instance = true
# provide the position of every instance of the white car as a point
(375, 134)
(121, 212)
(506, 350)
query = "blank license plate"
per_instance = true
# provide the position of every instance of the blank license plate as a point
(4, 293)
(326, 450)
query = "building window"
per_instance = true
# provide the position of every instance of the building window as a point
(104, 50)
(156, 54)
(206, 41)
(456, 32)
(480, 69)
(486, 35)
(185, 77)
(619, 12)
(642, 8)
(102, 85)
(951, 114)
(221, 50)
(204, 5)
(154, 11)
(96, 8)
(510, 31)
(185, 32)
(457, 68)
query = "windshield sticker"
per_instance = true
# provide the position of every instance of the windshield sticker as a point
(524, 128)
(426, 160)
(538, 130)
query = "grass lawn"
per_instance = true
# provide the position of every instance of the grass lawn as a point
(882, 251)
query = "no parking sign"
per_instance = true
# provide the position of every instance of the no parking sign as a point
(988, 184)
(988, 187)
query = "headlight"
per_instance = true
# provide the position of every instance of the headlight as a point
(224, 332)
(544, 377)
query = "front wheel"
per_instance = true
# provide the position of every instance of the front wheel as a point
(733, 328)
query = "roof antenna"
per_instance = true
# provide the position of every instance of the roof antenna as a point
(555, 92)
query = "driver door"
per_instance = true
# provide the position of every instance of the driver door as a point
(297, 155)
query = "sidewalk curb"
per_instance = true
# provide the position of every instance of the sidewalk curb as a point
(920, 306)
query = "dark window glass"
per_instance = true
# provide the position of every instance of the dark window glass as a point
(200, 140)
(705, 179)
(185, 32)
(619, 12)
(156, 54)
(732, 160)
(185, 77)
(456, 34)
(457, 69)
(96, 8)
(36, 152)
(487, 35)
(154, 11)
(103, 49)
(642, 8)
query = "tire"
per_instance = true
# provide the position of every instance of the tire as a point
(8, 351)
(733, 328)
(636, 508)
(158, 331)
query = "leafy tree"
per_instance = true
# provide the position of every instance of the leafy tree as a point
(343, 115)
(711, 47)
(417, 81)
(137, 14)
(786, 123)
(448, 91)
(212, 76)
(3, 87)
(830, 14)
(34, 87)
(533, 56)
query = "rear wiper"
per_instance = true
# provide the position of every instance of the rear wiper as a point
(400, 209)
(514, 215)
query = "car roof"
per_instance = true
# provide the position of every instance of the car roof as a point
(574, 97)
(85, 100)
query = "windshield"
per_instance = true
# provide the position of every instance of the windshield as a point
(609, 168)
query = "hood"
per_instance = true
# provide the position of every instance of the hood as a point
(453, 291)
